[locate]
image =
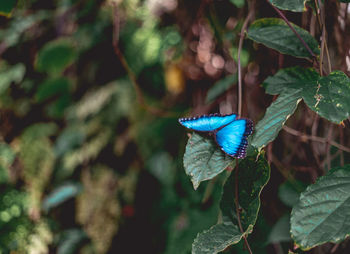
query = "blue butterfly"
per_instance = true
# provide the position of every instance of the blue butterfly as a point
(229, 132)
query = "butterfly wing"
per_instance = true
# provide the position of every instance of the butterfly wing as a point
(207, 122)
(232, 138)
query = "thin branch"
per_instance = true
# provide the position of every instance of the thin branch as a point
(315, 138)
(237, 208)
(328, 148)
(322, 25)
(240, 45)
(322, 50)
(341, 137)
(294, 31)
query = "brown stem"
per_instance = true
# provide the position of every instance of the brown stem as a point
(240, 45)
(237, 208)
(314, 138)
(294, 31)
(341, 136)
(324, 47)
(328, 148)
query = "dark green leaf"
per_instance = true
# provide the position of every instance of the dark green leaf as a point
(276, 34)
(328, 96)
(6, 7)
(276, 115)
(280, 231)
(160, 165)
(238, 3)
(295, 77)
(61, 194)
(289, 192)
(323, 210)
(252, 177)
(220, 87)
(52, 87)
(55, 56)
(295, 5)
(203, 160)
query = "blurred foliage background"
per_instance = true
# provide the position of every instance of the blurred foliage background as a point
(90, 147)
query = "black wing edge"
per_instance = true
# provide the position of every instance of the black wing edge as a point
(242, 149)
(198, 117)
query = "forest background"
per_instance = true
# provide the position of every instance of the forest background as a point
(91, 152)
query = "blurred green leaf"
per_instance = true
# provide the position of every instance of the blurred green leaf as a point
(161, 166)
(52, 87)
(280, 231)
(70, 138)
(145, 43)
(55, 56)
(276, 34)
(203, 160)
(57, 108)
(11, 74)
(18, 25)
(220, 87)
(328, 96)
(296, 5)
(238, 3)
(94, 101)
(276, 115)
(253, 176)
(70, 241)
(7, 156)
(60, 194)
(7, 6)
(15, 226)
(322, 211)
(289, 192)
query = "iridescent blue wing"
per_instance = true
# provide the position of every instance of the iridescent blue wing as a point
(232, 138)
(207, 122)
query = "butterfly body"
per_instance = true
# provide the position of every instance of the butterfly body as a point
(229, 132)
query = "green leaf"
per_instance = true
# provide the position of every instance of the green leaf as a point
(294, 77)
(280, 231)
(55, 56)
(11, 74)
(276, 34)
(328, 96)
(7, 6)
(7, 156)
(70, 138)
(295, 5)
(203, 160)
(238, 3)
(61, 194)
(323, 210)
(276, 115)
(253, 176)
(289, 192)
(52, 87)
(220, 87)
